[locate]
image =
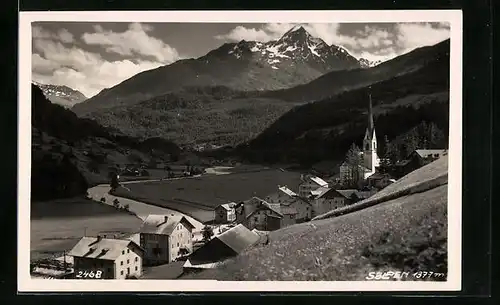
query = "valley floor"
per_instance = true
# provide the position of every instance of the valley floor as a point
(198, 196)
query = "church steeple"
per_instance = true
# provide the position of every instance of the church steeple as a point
(371, 160)
(371, 125)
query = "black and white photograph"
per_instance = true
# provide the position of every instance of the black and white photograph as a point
(318, 150)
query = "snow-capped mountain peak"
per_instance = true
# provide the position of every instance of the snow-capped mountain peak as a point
(62, 95)
(365, 63)
(295, 45)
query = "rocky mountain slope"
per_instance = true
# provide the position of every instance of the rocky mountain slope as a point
(215, 115)
(295, 58)
(61, 95)
(405, 232)
(339, 81)
(69, 153)
(325, 129)
(223, 116)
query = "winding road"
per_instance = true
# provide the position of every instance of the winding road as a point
(141, 209)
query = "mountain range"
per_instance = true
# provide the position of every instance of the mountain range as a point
(296, 58)
(61, 95)
(223, 115)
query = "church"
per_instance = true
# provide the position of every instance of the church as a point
(370, 160)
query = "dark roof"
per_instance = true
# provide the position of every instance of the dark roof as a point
(238, 238)
(225, 245)
(357, 193)
(273, 207)
(156, 224)
(424, 153)
(379, 176)
(347, 193)
(101, 248)
(331, 193)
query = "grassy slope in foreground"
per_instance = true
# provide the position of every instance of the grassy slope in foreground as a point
(197, 197)
(58, 225)
(405, 234)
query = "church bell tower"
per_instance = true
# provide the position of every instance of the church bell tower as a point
(370, 157)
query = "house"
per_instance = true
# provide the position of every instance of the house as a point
(421, 157)
(310, 183)
(401, 168)
(291, 202)
(284, 194)
(380, 180)
(328, 200)
(417, 159)
(112, 258)
(165, 238)
(224, 213)
(256, 213)
(223, 246)
(302, 206)
(356, 195)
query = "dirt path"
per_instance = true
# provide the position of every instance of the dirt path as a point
(141, 209)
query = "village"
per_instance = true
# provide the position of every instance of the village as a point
(174, 240)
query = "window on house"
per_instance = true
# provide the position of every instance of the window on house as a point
(135, 268)
(177, 244)
(123, 252)
(121, 272)
(128, 261)
(136, 259)
(121, 263)
(128, 250)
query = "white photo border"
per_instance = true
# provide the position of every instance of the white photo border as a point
(453, 17)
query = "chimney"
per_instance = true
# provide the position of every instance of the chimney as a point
(165, 219)
(99, 238)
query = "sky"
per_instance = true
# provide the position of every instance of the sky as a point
(92, 56)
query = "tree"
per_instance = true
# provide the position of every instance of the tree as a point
(103, 200)
(127, 207)
(114, 181)
(207, 233)
(355, 160)
(134, 158)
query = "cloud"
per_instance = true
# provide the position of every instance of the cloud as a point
(65, 36)
(134, 41)
(371, 42)
(55, 63)
(414, 35)
(62, 35)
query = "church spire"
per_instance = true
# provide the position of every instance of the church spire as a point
(371, 125)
